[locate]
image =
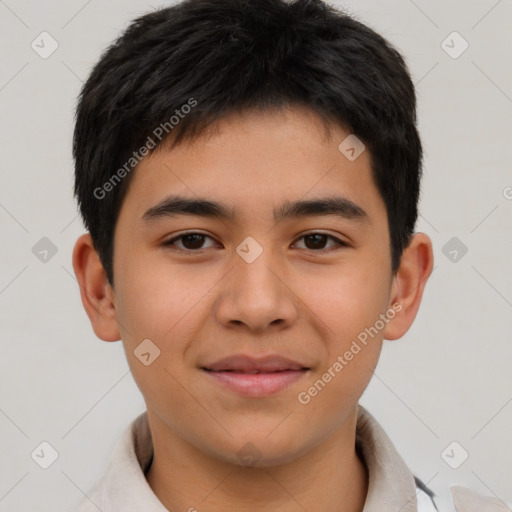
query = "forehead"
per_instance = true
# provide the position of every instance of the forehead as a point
(248, 161)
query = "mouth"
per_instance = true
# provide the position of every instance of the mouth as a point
(256, 383)
(248, 364)
(254, 372)
(252, 376)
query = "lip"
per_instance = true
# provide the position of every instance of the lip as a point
(256, 384)
(255, 376)
(248, 364)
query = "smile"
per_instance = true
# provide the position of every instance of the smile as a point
(255, 383)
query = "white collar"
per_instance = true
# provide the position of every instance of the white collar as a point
(392, 487)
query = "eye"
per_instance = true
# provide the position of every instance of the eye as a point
(316, 241)
(189, 241)
(194, 242)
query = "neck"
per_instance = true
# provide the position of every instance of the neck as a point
(330, 477)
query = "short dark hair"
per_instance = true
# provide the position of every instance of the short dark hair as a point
(210, 58)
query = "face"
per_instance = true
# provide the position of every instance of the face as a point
(260, 278)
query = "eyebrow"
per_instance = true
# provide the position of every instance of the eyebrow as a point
(179, 205)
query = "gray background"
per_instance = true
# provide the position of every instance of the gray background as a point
(447, 380)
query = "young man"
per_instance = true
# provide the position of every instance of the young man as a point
(248, 173)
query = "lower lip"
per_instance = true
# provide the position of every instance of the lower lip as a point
(257, 384)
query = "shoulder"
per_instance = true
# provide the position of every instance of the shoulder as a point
(463, 500)
(467, 500)
(93, 500)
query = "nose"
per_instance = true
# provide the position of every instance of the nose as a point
(256, 296)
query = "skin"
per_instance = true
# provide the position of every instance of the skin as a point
(300, 299)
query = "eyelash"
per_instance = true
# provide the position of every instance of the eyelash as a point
(339, 242)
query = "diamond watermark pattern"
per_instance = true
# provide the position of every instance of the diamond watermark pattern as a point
(44, 250)
(249, 249)
(146, 352)
(249, 455)
(454, 455)
(454, 45)
(44, 45)
(454, 250)
(351, 147)
(44, 455)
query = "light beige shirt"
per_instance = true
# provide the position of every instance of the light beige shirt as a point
(392, 487)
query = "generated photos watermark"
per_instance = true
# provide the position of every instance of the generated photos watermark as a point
(357, 345)
(157, 135)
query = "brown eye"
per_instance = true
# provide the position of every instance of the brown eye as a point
(193, 241)
(189, 241)
(317, 241)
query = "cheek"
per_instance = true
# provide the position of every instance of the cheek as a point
(155, 302)
(347, 299)
(349, 311)
(349, 303)
(155, 298)
(166, 305)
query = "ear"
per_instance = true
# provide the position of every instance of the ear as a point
(408, 284)
(97, 295)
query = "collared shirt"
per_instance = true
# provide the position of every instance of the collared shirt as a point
(391, 487)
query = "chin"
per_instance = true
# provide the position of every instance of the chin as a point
(256, 449)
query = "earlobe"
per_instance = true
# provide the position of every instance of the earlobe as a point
(97, 295)
(409, 282)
